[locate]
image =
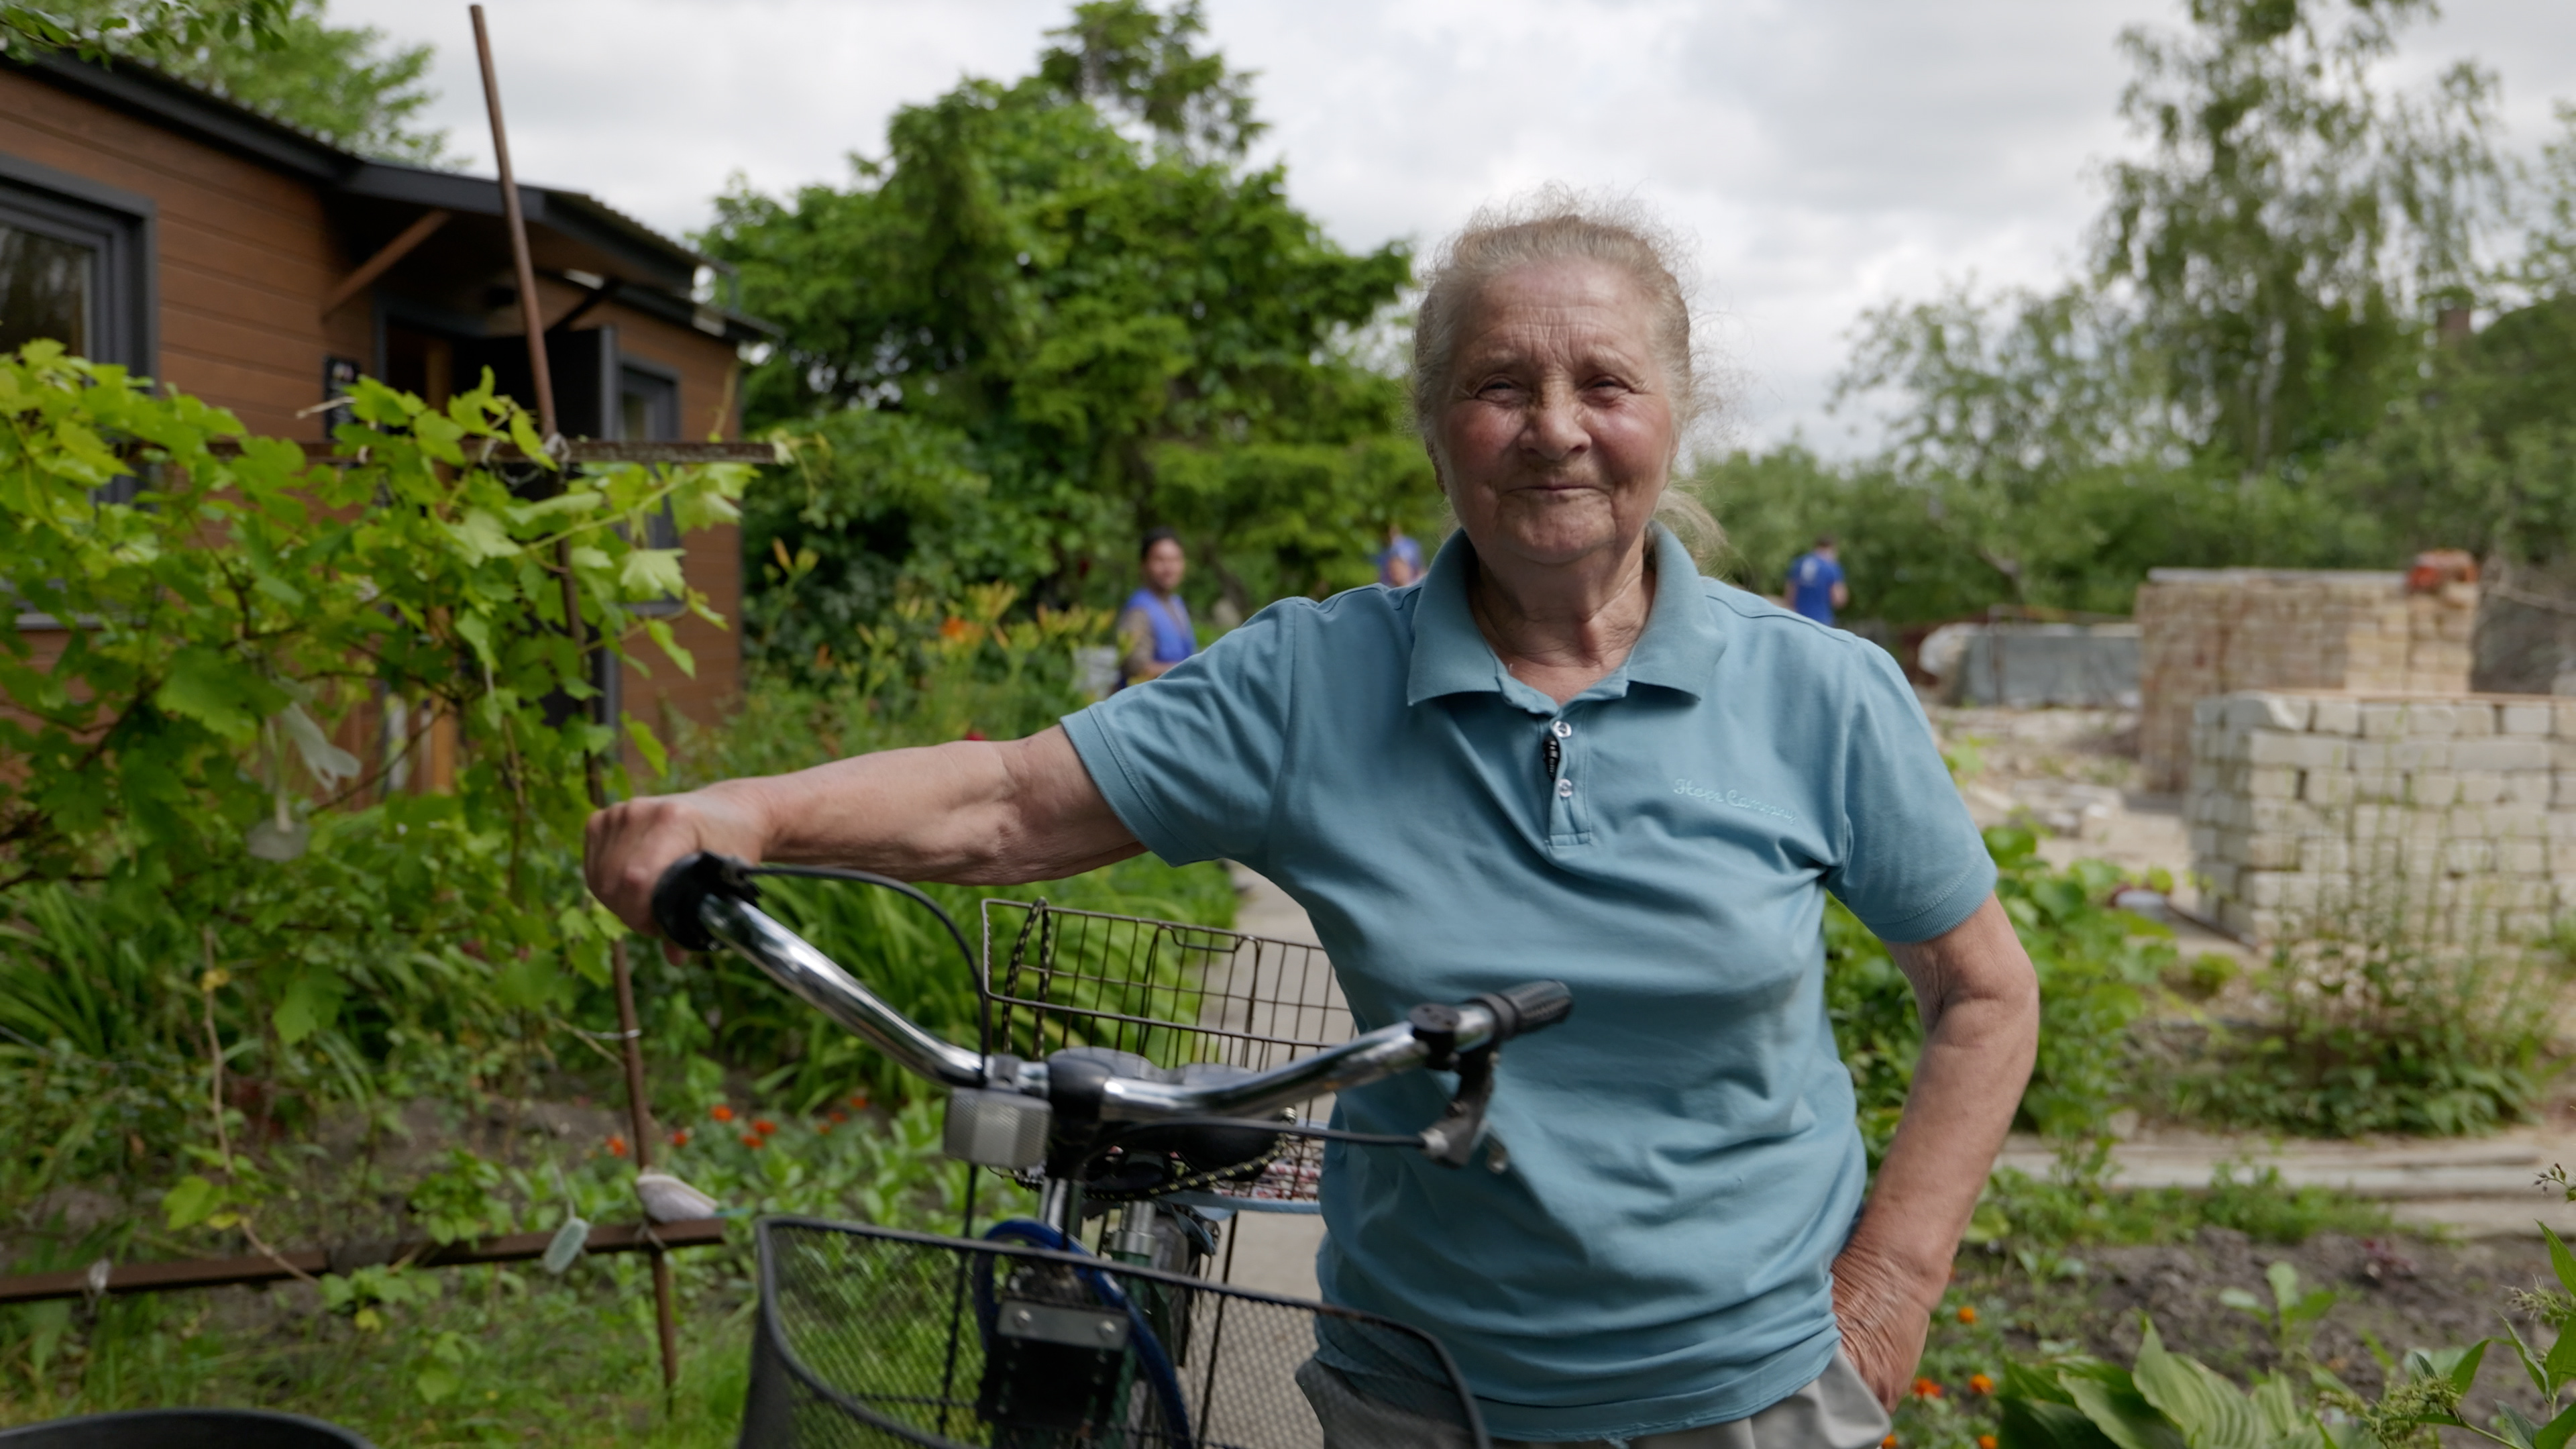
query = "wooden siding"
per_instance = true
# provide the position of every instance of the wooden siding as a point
(246, 254)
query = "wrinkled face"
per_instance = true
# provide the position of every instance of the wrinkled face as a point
(1164, 566)
(1558, 428)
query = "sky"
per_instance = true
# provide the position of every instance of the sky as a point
(1826, 158)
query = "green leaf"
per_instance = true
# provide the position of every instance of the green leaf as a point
(523, 432)
(2209, 1410)
(2561, 1262)
(311, 1002)
(2238, 1298)
(437, 1382)
(221, 693)
(2041, 1424)
(648, 745)
(659, 631)
(2560, 1365)
(2517, 1429)
(189, 1203)
(2123, 1415)
(481, 535)
(651, 573)
(2556, 1433)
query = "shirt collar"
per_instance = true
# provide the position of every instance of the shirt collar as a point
(1679, 650)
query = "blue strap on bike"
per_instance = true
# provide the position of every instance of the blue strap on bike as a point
(1149, 1348)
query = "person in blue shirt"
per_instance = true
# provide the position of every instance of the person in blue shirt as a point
(1565, 754)
(1816, 583)
(1400, 562)
(1154, 621)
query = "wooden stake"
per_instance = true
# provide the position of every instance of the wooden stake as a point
(638, 1110)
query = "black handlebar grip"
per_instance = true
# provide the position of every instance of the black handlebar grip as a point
(688, 882)
(1528, 1007)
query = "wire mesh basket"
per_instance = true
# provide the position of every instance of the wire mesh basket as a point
(1174, 994)
(874, 1337)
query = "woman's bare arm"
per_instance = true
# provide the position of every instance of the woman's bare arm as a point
(974, 812)
(1980, 1003)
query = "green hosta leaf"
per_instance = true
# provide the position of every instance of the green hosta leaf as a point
(2209, 1410)
(2042, 1424)
(2123, 1415)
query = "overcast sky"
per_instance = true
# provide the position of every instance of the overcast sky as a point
(1828, 156)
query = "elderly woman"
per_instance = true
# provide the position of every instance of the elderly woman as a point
(1563, 753)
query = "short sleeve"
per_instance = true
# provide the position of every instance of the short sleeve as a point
(1189, 761)
(1913, 863)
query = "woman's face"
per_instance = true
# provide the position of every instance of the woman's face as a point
(1558, 429)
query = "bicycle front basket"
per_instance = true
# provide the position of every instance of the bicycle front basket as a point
(1171, 993)
(873, 1337)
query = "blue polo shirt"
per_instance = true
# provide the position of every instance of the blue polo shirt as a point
(1683, 1160)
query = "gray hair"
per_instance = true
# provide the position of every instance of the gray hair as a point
(1555, 224)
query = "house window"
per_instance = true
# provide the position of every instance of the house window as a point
(75, 266)
(47, 287)
(648, 411)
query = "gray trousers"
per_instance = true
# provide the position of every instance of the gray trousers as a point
(1836, 1411)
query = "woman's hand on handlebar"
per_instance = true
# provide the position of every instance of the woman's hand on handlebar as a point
(627, 846)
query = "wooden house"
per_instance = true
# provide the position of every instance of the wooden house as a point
(147, 222)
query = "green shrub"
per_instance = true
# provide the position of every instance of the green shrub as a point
(2093, 963)
(2372, 1024)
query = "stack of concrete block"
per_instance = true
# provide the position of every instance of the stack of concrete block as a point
(2313, 813)
(2205, 632)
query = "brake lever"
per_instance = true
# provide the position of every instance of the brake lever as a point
(1453, 1140)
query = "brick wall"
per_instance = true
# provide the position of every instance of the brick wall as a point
(2205, 632)
(2459, 811)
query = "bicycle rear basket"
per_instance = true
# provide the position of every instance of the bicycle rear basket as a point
(1172, 993)
(873, 1337)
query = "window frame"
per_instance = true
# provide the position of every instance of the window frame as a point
(120, 227)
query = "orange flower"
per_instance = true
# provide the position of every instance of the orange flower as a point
(1967, 1313)
(1887, 1443)
(680, 1138)
(722, 1113)
(838, 1115)
(953, 627)
(1985, 1441)
(616, 1145)
(1980, 1385)
(753, 1139)
(764, 1126)
(1926, 1389)
(859, 1100)
(823, 1127)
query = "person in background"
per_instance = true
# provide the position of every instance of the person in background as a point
(1154, 621)
(1816, 582)
(1400, 562)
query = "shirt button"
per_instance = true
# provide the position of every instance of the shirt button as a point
(1563, 730)
(1565, 789)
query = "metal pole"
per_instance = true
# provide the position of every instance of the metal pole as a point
(638, 1110)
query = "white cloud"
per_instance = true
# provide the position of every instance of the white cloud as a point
(1828, 157)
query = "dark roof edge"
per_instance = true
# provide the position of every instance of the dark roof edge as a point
(733, 327)
(132, 86)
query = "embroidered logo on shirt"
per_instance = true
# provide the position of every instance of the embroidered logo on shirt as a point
(1730, 799)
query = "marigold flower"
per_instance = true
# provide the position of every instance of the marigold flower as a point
(859, 1100)
(753, 1139)
(1967, 1313)
(1926, 1389)
(680, 1138)
(1980, 1384)
(722, 1113)
(616, 1145)
(1985, 1441)
(1887, 1443)
(764, 1126)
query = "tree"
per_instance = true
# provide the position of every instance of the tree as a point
(278, 57)
(1058, 311)
(2285, 240)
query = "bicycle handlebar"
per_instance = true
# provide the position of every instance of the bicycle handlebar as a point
(707, 900)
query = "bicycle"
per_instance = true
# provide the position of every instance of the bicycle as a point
(1025, 1338)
